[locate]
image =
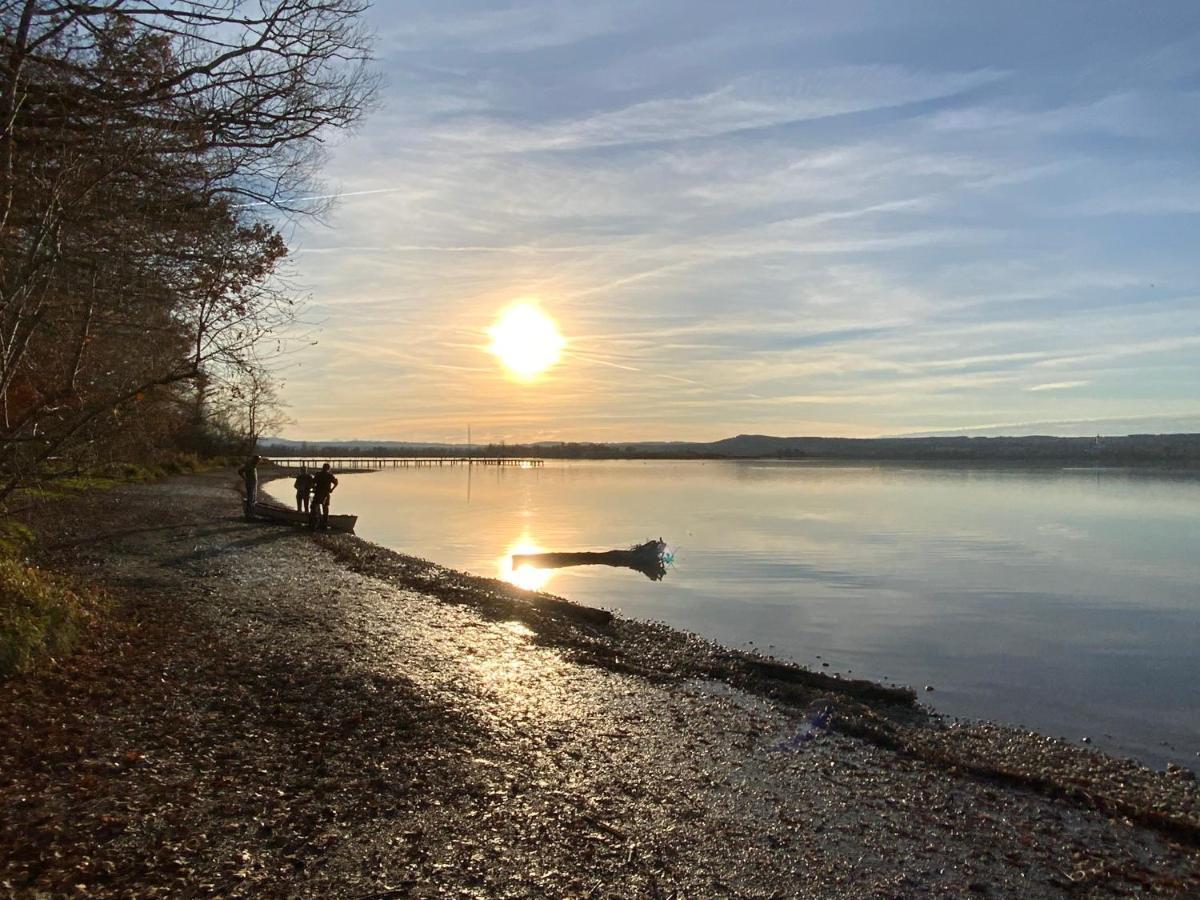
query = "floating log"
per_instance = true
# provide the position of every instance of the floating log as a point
(647, 558)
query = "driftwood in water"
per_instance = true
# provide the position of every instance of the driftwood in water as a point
(646, 558)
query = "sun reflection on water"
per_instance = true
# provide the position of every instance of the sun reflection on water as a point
(524, 576)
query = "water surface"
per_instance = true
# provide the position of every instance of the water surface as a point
(1061, 600)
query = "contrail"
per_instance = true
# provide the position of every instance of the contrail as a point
(391, 190)
(604, 362)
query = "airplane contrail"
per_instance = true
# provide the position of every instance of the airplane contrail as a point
(337, 196)
(602, 362)
(587, 358)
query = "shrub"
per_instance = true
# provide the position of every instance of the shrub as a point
(182, 464)
(41, 615)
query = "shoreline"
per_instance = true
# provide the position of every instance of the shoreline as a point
(288, 633)
(888, 716)
(919, 593)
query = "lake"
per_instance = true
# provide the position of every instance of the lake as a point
(1061, 600)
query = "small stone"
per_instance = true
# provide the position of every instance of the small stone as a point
(929, 687)
(1086, 740)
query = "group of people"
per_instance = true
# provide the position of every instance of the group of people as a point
(312, 491)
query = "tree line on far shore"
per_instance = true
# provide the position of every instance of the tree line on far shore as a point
(1137, 449)
(147, 152)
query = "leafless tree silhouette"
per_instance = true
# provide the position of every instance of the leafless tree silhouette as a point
(143, 148)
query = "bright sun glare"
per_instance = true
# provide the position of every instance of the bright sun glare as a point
(526, 340)
(524, 575)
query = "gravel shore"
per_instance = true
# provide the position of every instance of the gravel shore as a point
(273, 712)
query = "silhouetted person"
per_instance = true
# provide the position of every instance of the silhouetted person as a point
(249, 473)
(304, 486)
(323, 484)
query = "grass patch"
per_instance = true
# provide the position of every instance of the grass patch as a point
(41, 615)
(62, 485)
(15, 539)
(68, 486)
(175, 464)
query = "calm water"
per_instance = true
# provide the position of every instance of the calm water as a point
(1066, 601)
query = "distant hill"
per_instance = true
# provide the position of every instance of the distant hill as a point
(1137, 449)
(1130, 449)
(1143, 425)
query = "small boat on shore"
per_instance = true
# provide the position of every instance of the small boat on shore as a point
(344, 523)
(649, 558)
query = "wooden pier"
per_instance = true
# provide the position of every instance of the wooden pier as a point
(372, 463)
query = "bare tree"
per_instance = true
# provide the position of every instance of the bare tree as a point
(140, 145)
(249, 406)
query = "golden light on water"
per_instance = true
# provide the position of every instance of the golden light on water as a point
(524, 576)
(526, 340)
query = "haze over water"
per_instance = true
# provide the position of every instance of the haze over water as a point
(1061, 600)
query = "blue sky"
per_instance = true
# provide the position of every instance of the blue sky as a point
(844, 219)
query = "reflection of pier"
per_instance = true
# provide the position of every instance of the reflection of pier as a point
(352, 463)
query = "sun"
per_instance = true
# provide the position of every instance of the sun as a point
(526, 340)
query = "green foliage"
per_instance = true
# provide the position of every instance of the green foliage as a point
(130, 473)
(15, 539)
(109, 476)
(69, 485)
(181, 464)
(41, 615)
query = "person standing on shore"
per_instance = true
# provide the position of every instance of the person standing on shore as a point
(249, 473)
(323, 484)
(304, 486)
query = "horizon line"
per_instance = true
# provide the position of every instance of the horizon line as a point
(803, 437)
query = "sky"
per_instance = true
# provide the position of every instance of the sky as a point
(859, 219)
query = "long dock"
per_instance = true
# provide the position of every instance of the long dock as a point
(344, 463)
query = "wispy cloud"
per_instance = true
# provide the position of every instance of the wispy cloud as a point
(1058, 386)
(765, 215)
(742, 105)
(519, 28)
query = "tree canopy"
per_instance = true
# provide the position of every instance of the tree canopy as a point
(147, 150)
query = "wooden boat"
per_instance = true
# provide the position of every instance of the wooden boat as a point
(275, 513)
(648, 558)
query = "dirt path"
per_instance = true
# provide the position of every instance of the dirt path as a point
(273, 713)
